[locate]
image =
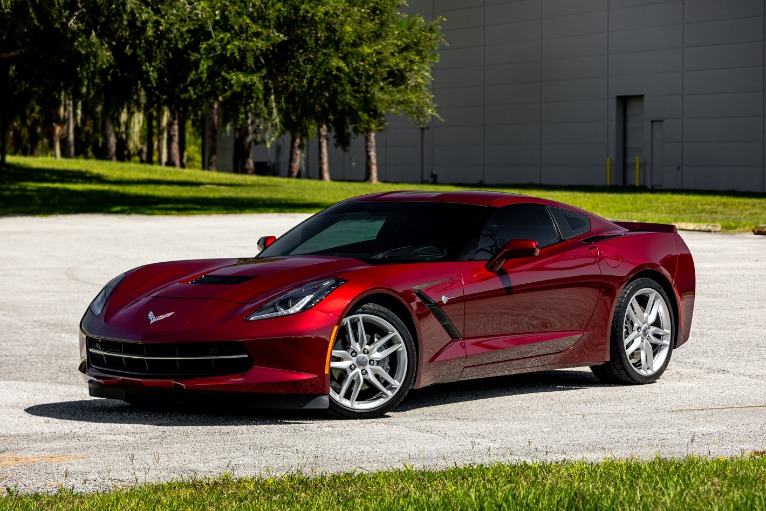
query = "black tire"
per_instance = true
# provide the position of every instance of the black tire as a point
(407, 365)
(622, 367)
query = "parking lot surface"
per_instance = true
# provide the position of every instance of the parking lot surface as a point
(710, 402)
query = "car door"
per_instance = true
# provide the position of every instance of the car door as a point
(532, 306)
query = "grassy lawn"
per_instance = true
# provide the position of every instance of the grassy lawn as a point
(690, 483)
(44, 186)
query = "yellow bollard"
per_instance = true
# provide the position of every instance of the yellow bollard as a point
(608, 171)
(638, 171)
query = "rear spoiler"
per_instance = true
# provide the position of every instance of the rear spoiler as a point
(647, 226)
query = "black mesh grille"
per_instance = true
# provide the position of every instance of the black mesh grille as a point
(168, 359)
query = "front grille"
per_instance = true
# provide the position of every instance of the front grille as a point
(168, 359)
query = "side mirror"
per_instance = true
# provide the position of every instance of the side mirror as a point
(265, 241)
(513, 249)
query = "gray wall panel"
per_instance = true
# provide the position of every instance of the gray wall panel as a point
(662, 84)
(511, 135)
(512, 32)
(734, 154)
(574, 133)
(720, 178)
(644, 39)
(724, 32)
(456, 135)
(522, 10)
(463, 18)
(748, 79)
(460, 96)
(573, 90)
(567, 7)
(577, 24)
(645, 16)
(506, 174)
(722, 56)
(461, 57)
(573, 154)
(513, 114)
(574, 46)
(527, 51)
(741, 129)
(512, 73)
(512, 154)
(708, 10)
(574, 111)
(645, 62)
(573, 68)
(512, 93)
(663, 107)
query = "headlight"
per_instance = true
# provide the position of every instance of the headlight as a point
(297, 300)
(97, 305)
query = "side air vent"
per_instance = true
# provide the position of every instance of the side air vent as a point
(599, 237)
(221, 280)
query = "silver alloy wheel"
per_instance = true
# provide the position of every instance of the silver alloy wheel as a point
(647, 331)
(368, 364)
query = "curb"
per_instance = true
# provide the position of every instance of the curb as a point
(759, 230)
(684, 226)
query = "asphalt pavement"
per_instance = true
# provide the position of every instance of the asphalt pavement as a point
(710, 402)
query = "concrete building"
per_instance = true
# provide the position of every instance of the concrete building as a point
(565, 92)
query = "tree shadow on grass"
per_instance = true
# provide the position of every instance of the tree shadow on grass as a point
(34, 198)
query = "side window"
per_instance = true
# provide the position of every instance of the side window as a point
(570, 224)
(517, 222)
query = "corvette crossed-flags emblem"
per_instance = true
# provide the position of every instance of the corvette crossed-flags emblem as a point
(153, 318)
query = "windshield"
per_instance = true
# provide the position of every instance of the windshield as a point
(384, 231)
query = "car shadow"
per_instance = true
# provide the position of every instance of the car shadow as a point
(110, 411)
(499, 386)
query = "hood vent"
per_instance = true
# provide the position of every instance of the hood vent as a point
(220, 280)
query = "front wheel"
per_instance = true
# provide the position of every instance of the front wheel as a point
(373, 363)
(643, 334)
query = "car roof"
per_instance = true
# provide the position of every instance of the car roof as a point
(476, 197)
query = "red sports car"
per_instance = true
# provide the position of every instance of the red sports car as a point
(387, 292)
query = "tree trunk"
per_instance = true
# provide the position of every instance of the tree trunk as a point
(182, 139)
(371, 167)
(3, 139)
(174, 152)
(111, 140)
(247, 165)
(162, 135)
(149, 120)
(295, 156)
(324, 161)
(212, 152)
(56, 139)
(70, 128)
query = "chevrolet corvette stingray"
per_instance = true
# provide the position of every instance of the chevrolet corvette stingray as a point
(383, 293)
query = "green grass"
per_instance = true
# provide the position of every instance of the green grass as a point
(44, 186)
(661, 484)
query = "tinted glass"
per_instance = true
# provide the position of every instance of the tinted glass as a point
(517, 222)
(384, 231)
(570, 224)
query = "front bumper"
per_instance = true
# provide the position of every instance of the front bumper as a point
(289, 365)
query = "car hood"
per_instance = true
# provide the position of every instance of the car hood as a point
(241, 281)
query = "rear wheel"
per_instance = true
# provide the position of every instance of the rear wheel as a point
(643, 334)
(373, 363)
